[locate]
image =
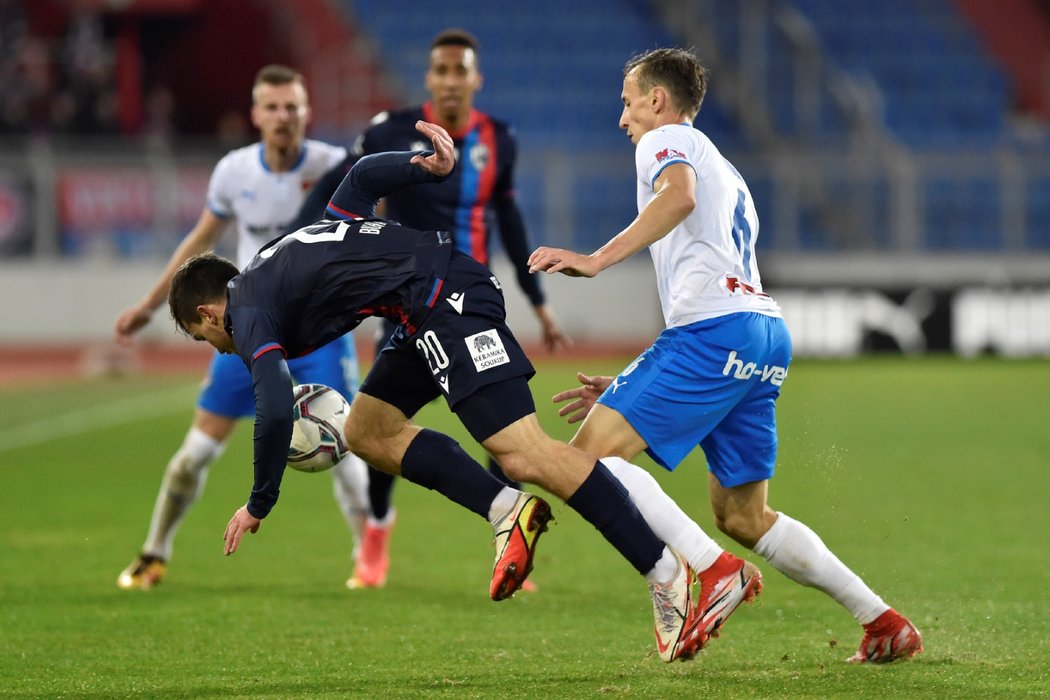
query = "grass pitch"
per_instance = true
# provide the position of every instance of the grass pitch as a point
(927, 477)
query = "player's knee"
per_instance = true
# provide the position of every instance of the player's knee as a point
(369, 443)
(744, 527)
(186, 469)
(518, 467)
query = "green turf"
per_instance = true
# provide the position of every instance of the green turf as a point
(926, 476)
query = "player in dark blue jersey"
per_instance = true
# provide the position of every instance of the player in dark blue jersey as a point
(322, 281)
(478, 194)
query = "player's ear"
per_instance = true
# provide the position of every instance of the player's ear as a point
(658, 99)
(207, 313)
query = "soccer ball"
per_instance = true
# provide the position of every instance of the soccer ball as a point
(317, 434)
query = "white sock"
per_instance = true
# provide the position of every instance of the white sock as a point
(668, 521)
(798, 553)
(502, 504)
(183, 484)
(350, 485)
(665, 569)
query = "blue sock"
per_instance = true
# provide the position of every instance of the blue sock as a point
(437, 462)
(604, 503)
(380, 486)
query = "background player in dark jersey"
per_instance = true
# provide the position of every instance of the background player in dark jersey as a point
(322, 281)
(479, 193)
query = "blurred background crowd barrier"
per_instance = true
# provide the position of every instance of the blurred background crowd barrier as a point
(898, 151)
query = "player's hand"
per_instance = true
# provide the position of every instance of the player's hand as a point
(567, 262)
(129, 322)
(583, 398)
(443, 159)
(241, 522)
(553, 335)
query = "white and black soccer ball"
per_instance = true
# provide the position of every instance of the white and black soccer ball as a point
(317, 442)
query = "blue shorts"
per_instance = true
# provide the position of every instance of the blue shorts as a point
(227, 389)
(713, 383)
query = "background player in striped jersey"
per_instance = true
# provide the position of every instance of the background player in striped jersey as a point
(260, 187)
(480, 189)
(720, 361)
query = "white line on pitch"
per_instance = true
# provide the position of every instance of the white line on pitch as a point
(98, 417)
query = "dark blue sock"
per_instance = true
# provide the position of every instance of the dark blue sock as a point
(380, 486)
(437, 462)
(603, 502)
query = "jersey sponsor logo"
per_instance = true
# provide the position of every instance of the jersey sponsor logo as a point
(247, 194)
(486, 350)
(667, 154)
(774, 374)
(456, 301)
(495, 283)
(479, 156)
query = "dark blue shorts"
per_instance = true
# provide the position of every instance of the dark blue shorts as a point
(461, 347)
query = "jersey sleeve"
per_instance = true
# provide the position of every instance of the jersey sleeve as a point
(221, 188)
(372, 178)
(656, 150)
(272, 384)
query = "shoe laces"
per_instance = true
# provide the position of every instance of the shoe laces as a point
(664, 595)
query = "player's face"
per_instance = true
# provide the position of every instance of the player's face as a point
(637, 117)
(452, 79)
(280, 113)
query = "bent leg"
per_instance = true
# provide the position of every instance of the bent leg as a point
(607, 435)
(381, 434)
(791, 547)
(586, 485)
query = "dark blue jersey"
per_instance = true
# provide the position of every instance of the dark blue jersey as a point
(478, 194)
(318, 283)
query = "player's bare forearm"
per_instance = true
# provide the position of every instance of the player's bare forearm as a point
(241, 522)
(583, 397)
(675, 199)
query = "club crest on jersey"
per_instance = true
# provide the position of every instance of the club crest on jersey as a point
(667, 154)
(486, 350)
(479, 156)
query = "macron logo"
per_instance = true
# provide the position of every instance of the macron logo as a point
(775, 375)
(456, 301)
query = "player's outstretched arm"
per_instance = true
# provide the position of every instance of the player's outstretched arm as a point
(583, 397)
(376, 175)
